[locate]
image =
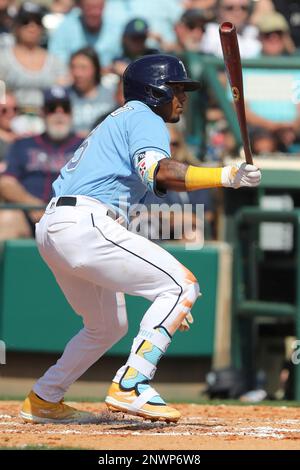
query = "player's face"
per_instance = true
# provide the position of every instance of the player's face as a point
(171, 112)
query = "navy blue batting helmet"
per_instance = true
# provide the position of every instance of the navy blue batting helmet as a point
(147, 79)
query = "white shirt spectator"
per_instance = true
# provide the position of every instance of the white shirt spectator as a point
(249, 43)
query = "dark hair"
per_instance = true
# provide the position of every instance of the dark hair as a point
(29, 11)
(91, 54)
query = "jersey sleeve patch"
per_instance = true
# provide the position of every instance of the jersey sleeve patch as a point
(146, 164)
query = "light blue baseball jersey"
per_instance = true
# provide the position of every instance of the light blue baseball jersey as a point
(117, 161)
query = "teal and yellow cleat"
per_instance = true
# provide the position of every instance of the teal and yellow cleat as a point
(142, 401)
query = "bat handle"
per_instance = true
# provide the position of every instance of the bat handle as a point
(248, 155)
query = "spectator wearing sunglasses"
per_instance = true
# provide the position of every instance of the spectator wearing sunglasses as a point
(190, 31)
(274, 34)
(239, 13)
(279, 115)
(8, 111)
(26, 67)
(33, 163)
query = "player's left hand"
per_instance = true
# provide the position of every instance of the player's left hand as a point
(240, 175)
(185, 325)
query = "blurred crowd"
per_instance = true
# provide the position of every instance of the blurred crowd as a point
(62, 61)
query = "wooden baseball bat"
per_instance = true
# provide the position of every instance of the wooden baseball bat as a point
(233, 66)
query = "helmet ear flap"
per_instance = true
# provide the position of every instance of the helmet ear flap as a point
(161, 94)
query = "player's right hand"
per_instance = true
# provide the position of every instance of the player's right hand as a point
(240, 175)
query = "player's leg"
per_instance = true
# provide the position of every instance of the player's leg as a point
(142, 268)
(97, 249)
(105, 322)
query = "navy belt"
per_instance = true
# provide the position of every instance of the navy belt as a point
(72, 201)
(66, 201)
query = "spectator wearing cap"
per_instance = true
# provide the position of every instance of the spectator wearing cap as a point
(33, 164)
(290, 9)
(134, 44)
(280, 116)
(239, 13)
(161, 15)
(26, 68)
(88, 25)
(274, 34)
(91, 94)
(190, 31)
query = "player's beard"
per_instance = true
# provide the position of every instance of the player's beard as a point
(174, 119)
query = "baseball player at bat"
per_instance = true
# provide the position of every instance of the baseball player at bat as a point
(95, 259)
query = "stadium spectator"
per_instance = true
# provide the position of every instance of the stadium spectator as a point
(279, 116)
(274, 34)
(58, 10)
(208, 5)
(87, 26)
(91, 95)
(239, 13)
(161, 15)
(263, 142)
(34, 163)
(289, 139)
(133, 44)
(8, 112)
(291, 11)
(220, 141)
(26, 68)
(190, 31)
(7, 12)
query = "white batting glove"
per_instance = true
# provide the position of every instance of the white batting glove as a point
(240, 175)
(185, 325)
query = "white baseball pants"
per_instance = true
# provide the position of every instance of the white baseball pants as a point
(95, 260)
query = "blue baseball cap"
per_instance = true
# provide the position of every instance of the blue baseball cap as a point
(56, 94)
(136, 27)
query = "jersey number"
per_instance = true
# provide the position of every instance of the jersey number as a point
(77, 156)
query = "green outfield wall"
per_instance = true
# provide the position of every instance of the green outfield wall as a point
(34, 315)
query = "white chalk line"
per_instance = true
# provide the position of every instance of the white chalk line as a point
(241, 433)
(258, 432)
(107, 420)
(217, 430)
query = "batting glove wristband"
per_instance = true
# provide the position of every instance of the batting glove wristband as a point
(240, 175)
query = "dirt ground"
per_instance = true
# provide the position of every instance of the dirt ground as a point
(201, 427)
